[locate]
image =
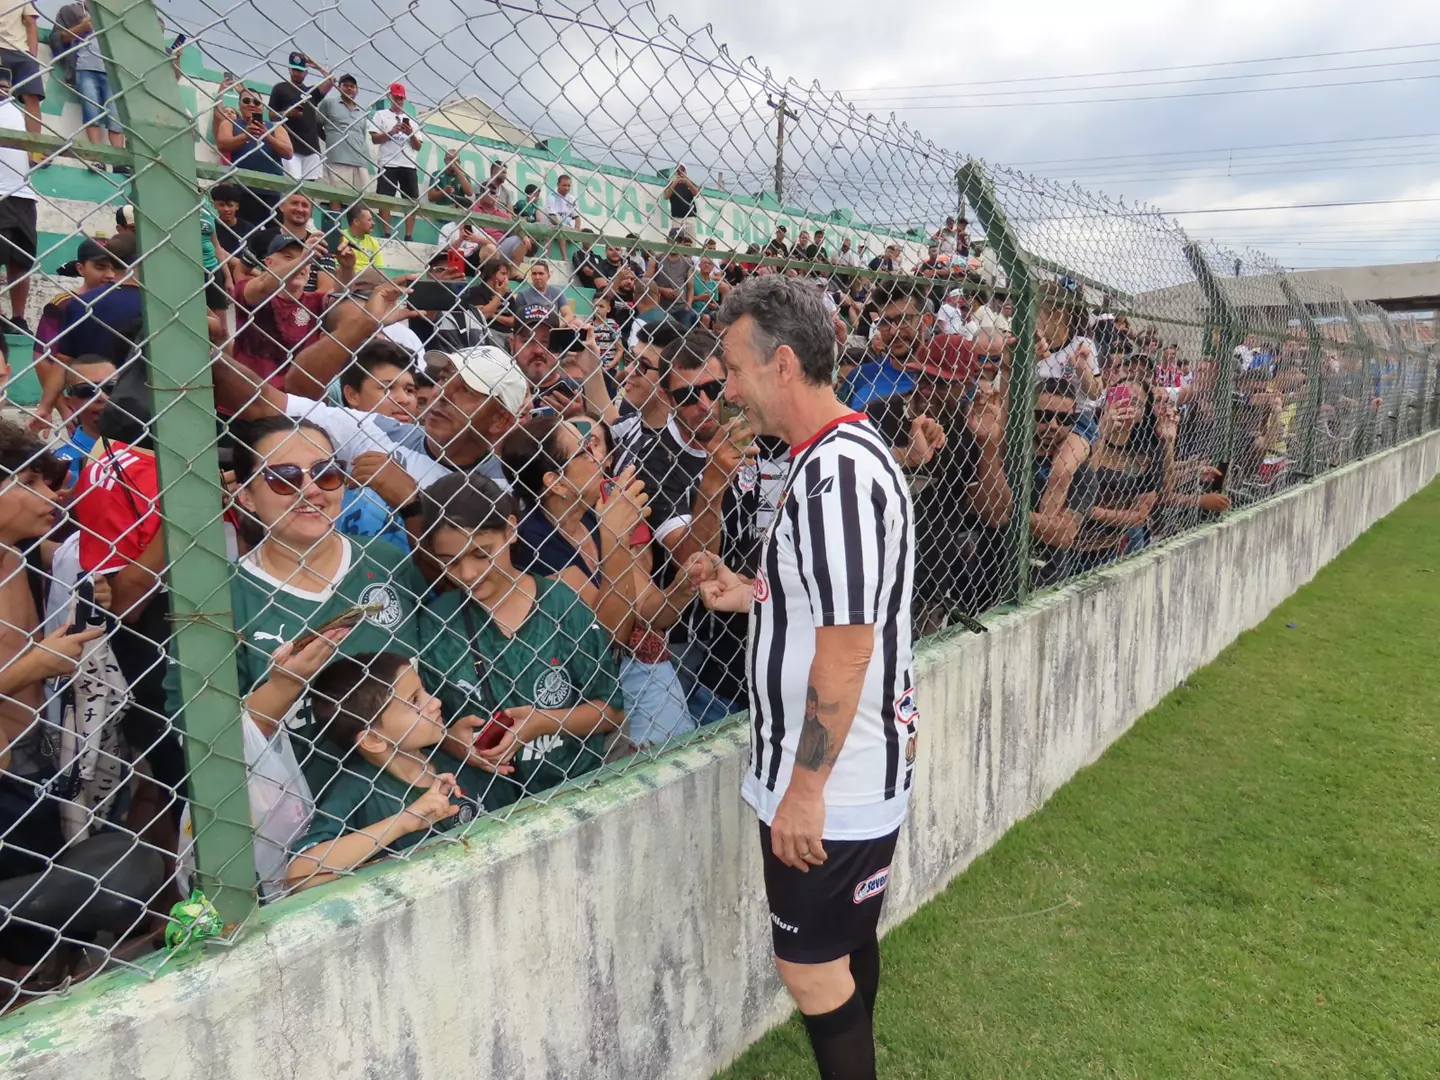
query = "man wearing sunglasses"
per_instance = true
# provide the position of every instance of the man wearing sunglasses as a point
(88, 382)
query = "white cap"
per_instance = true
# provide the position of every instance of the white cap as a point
(488, 370)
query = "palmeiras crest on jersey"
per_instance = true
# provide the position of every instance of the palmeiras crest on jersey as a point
(390, 615)
(552, 688)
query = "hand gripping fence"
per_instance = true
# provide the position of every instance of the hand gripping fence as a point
(366, 434)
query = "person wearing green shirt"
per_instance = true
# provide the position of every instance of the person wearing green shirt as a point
(452, 185)
(299, 574)
(397, 785)
(529, 207)
(499, 643)
(359, 232)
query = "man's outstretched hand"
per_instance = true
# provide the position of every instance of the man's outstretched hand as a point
(720, 588)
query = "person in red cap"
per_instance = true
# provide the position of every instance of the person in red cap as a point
(398, 137)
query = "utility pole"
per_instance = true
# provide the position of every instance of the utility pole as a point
(781, 112)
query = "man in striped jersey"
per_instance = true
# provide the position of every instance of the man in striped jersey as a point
(832, 705)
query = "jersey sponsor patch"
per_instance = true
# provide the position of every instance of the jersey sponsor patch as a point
(907, 709)
(391, 613)
(762, 587)
(873, 885)
(553, 688)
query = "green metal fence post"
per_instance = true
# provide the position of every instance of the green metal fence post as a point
(1225, 332)
(165, 194)
(1366, 428)
(1000, 236)
(1313, 374)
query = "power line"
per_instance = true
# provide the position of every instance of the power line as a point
(1228, 149)
(1297, 206)
(1150, 71)
(1165, 97)
(1161, 82)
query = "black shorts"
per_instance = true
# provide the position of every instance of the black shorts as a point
(834, 909)
(18, 242)
(399, 180)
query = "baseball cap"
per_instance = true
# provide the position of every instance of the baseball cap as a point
(297, 61)
(945, 356)
(281, 241)
(90, 250)
(125, 217)
(397, 89)
(487, 370)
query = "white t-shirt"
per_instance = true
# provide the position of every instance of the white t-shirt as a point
(14, 162)
(397, 153)
(354, 432)
(951, 320)
(847, 258)
(564, 208)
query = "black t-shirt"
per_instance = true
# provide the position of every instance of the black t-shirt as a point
(682, 201)
(587, 267)
(777, 249)
(952, 547)
(458, 327)
(307, 129)
(746, 513)
(668, 472)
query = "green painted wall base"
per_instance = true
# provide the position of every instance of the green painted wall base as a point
(24, 385)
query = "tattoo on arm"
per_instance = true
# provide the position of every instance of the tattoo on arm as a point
(814, 751)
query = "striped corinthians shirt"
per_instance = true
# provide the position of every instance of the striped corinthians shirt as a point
(840, 551)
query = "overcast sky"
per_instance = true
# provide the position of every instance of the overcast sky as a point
(646, 97)
(1174, 153)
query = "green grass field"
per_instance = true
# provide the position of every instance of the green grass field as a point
(1249, 880)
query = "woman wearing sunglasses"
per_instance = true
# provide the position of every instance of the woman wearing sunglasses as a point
(248, 142)
(301, 573)
(590, 532)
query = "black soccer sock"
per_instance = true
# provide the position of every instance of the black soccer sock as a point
(865, 970)
(843, 1041)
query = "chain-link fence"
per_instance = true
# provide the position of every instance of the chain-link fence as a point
(366, 420)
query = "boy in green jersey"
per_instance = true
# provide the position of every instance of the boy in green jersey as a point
(396, 786)
(505, 644)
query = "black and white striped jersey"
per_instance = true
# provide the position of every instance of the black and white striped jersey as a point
(841, 551)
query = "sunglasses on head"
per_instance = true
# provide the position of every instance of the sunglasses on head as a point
(290, 479)
(84, 391)
(690, 395)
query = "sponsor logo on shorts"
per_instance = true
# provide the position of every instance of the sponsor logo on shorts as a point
(873, 885)
(784, 925)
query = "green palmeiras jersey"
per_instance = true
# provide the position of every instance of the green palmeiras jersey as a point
(270, 612)
(361, 795)
(558, 658)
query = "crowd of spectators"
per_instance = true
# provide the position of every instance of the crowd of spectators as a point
(463, 504)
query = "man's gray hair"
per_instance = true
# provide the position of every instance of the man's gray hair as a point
(790, 312)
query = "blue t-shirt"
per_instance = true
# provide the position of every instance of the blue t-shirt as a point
(76, 452)
(876, 379)
(540, 547)
(103, 321)
(364, 513)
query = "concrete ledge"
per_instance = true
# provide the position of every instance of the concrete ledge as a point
(620, 932)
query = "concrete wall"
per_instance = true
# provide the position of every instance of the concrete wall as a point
(620, 932)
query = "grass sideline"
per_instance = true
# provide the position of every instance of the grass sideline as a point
(1249, 879)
